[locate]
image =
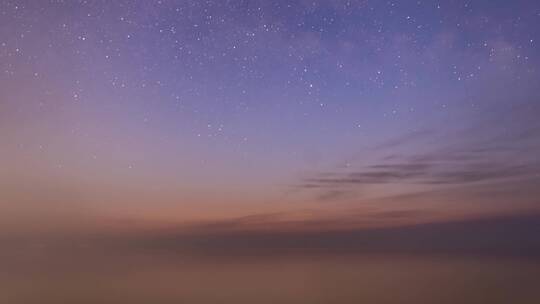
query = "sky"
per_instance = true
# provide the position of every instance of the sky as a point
(286, 114)
(246, 151)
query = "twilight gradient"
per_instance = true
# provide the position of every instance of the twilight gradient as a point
(286, 129)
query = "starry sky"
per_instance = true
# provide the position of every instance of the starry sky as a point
(245, 113)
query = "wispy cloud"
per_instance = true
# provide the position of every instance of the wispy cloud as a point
(477, 154)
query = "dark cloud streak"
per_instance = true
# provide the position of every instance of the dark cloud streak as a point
(514, 236)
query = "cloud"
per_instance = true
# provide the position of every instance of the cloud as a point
(497, 147)
(430, 169)
(514, 235)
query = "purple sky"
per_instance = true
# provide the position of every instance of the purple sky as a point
(175, 111)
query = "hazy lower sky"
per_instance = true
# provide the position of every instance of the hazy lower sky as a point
(340, 113)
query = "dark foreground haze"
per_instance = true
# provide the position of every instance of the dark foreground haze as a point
(477, 261)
